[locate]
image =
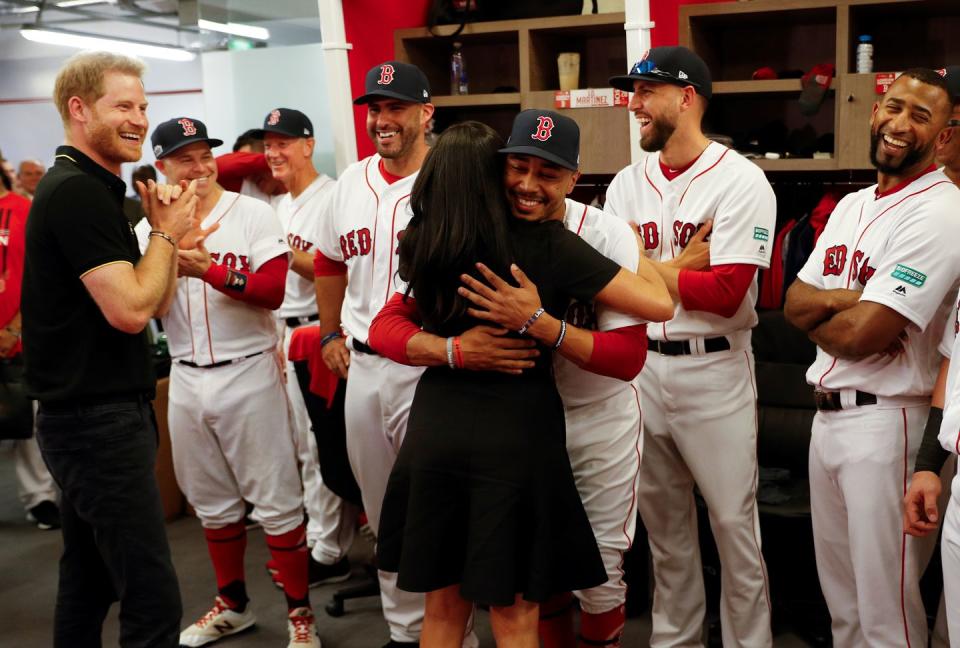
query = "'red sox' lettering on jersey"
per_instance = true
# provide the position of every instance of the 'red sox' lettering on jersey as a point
(357, 242)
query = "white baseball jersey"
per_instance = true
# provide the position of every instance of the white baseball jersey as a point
(721, 185)
(367, 216)
(301, 218)
(204, 325)
(950, 330)
(900, 250)
(611, 237)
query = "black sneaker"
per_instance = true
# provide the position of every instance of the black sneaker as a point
(46, 515)
(321, 574)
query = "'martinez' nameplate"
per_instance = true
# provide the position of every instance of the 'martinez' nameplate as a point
(591, 98)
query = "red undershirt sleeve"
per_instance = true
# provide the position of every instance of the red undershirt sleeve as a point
(619, 353)
(392, 328)
(719, 290)
(324, 266)
(232, 168)
(264, 288)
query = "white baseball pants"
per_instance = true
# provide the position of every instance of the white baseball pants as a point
(331, 524)
(231, 441)
(861, 460)
(605, 442)
(700, 428)
(34, 482)
(378, 399)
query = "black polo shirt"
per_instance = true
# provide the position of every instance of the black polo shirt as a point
(77, 224)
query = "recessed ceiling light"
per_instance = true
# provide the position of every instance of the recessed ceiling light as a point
(237, 29)
(89, 41)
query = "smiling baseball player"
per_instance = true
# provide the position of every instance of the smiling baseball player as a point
(874, 296)
(228, 415)
(288, 146)
(356, 275)
(699, 393)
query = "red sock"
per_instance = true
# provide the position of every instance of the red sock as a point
(604, 629)
(556, 622)
(289, 551)
(226, 546)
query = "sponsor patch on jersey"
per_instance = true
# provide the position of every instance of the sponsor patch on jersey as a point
(900, 290)
(761, 233)
(908, 275)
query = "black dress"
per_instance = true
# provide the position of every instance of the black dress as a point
(482, 492)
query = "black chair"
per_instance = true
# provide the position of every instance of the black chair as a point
(329, 429)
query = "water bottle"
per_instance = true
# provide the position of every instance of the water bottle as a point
(865, 54)
(458, 72)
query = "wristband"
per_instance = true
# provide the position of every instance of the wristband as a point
(563, 334)
(450, 361)
(457, 352)
(330, 337)
(533, 318)
(164, 236)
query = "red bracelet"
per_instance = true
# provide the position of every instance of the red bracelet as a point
(457, 352)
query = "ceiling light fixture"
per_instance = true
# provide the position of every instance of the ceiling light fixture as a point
(117, 46)
(247, 31)
(23, 10)
(81, 3)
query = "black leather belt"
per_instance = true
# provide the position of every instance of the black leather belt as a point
(828, 401)
(682, 347)
(360, 347)
(222, 363)
(294, 322)
(64, 406)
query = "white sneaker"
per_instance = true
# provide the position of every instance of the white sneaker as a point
(219, 622)
(302, 629)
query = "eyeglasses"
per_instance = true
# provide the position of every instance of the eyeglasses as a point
(953, 123)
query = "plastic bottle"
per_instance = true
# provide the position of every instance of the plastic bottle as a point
(865, 54)
(458, 72)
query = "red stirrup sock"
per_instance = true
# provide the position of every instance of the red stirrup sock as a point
(556, 622)
(227, 546)
(604, 629)
(289, 551)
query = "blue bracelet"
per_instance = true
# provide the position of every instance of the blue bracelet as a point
(330, 337)
(533, 318)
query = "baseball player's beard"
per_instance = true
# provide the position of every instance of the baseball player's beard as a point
(659, 133)
(910, 158)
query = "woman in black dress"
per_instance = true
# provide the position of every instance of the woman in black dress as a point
(481, 506)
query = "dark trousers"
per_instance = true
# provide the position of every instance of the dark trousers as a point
(114, 542)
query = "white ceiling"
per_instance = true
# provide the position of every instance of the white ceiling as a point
(291, 22)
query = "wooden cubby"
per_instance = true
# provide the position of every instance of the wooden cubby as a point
(512, 66)
(737, 38)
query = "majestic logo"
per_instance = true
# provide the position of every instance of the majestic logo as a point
(544, 129)
(274, 118)
(908, 275)
(900, 290)
(386, 75)
(188, 127)
(761, 233)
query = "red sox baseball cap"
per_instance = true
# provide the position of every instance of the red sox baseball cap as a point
(675, 65)
(395, 80)
(545, 134)
(287, 121)
(178, 132)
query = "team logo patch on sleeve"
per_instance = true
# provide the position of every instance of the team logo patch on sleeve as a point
(761, 233)
(908, 275)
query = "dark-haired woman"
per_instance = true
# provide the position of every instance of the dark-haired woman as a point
(481, 505)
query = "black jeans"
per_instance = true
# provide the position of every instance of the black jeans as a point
(114, 542)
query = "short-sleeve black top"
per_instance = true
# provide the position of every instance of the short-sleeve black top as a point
(561, 264)
(77, 224)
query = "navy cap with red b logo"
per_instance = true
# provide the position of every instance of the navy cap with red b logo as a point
(952, 75)
(545, 134)
(395, 80)
(287, 121)
(178, 132)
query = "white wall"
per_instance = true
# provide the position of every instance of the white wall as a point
(242, 87)
(31, 126)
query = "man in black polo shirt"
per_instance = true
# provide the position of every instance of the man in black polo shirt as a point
(87, 297)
